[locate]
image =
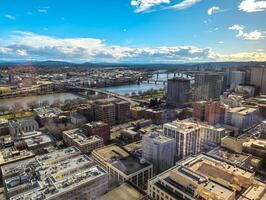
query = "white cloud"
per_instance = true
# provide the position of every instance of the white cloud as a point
(8, 16)
(184, 4)
(143, 5)
(43, 9)
(213, 10)
(30, 46)
(253, 35)
(252, 5)
(220, 42)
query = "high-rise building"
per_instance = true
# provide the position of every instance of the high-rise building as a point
(187, 136)
(258, 78)
(159, 150)
(214, 112)
(237, 78)
(111, 110)
(206, 177)
(199, 110)
(207, 86)
(122, 111)
(178, 92)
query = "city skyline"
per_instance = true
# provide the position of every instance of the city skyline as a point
(137, 31)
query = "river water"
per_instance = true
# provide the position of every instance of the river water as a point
(51, 98)
(123, 89)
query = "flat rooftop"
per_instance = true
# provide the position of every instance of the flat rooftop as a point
(121, 159)
(79, 137)
(242, 110)
(37, 178)
(182, 126)
(124, 191)
(208, 175)
(9, 155)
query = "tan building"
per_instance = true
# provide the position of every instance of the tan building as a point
(122, 166)
(206, 177)
(77, 138)
(111, 110)
(123, 192)
(232, 143)
(12, 154)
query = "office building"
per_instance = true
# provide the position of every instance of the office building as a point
(100, 129)
(158, 150)
(258, 78)
(241, 117)
(76, 137)
(122, 166)
(237, 78)
(186, 135)
(178, 92)
(207, 86)
(4, 128)
(19, 126)
(211, 134)
(214, 113)
(199, 110)
(60, 175)
(206, 177)
(122, 111)
(111, 110)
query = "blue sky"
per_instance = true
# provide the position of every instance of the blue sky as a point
(159, 31)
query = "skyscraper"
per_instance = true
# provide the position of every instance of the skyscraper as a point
(178, 92)
(207, 86)
(159, 150)
(258, 78)
(237, 78)
(187, 136)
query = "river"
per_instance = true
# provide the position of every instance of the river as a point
(123, 89)
(51, 98)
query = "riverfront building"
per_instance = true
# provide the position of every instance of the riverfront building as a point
(178, 92)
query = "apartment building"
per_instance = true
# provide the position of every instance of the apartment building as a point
(186, 135)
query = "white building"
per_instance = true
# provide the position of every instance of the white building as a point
(237, 78)
(159, 150)
(211, 134)
(18, 127)
(187, 136)
(241, 117)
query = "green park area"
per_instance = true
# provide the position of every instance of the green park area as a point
(17, 115)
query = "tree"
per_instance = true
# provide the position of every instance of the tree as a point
(33, 104)
(4, 109)
(16, 107)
